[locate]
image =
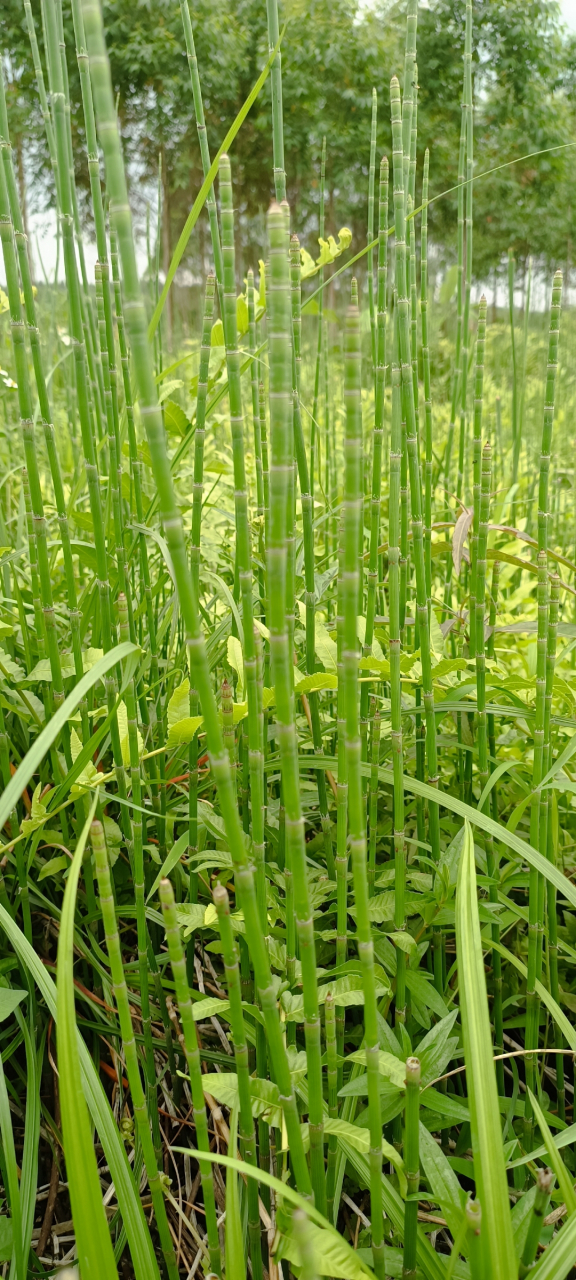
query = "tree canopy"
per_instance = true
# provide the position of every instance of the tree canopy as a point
(334, 52)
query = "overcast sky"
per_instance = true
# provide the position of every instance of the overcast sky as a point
(569, 10)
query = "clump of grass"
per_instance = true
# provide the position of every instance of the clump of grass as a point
(286, 738)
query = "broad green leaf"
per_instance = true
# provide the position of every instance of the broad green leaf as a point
(320, 680)
(347, 991)
(172, 384)
(443, 1181)
(445, 1104)
(217, 335)
(9, 1000)
(52, 867)
(404, 941)
(190, 917)
(236, 660)
(242, 314)
(264, 1094)
(37, 813)
(93, 1244)
(170, 861)
(42, 672)
(360, 1139)
(89, 777)
(179, 704)
(330, 1257)
(182, 732)
(436, 637)
(425, 992)
(326, 648)
(175, 419)
(209, 1008)
(122, 718)
(437, 1047)
(388, 1066)
(489, 1166)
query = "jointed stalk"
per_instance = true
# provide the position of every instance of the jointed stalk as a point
(247, 1131)
(281, 468)
(201, 678)
(192, 1053)
(351, 516)
(200, 432)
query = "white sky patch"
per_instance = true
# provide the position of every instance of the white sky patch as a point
(568, 8)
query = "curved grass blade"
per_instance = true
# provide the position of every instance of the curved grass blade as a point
(563, 1177)
(481, 820)
(139, 1240)
(489, 1167)
(207, 184)
(234, 1243)
(9, 1151)
(284, 1190)
(543, 994)
(93, 1243)
(559, 1257)
(44, 741)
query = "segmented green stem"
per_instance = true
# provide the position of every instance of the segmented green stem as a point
(477, 465)
(37, 360)
(200, 432)
(415, 483)
(426, 374)
(370, 226)
(202, 137)
(281, 468)
(378, 433)
(143, 366)
(332, 1072)
(550, 850)
(351, 517)
(247, 1130)
(544, 1185)
(46, 622)
(277, 109)
(373, 796)
(412, 1165)
(314, 425)
(189, 1043)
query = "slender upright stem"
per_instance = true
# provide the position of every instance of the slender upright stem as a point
(351, 516)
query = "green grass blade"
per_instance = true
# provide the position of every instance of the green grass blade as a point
(13, 1188)
(563, 1177)
(49, 734)
(93, 1243)
(206, 185)
(234, 1243)
(489, 1168)
(284, 1190)
(139, 1240)
(558, 1260)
